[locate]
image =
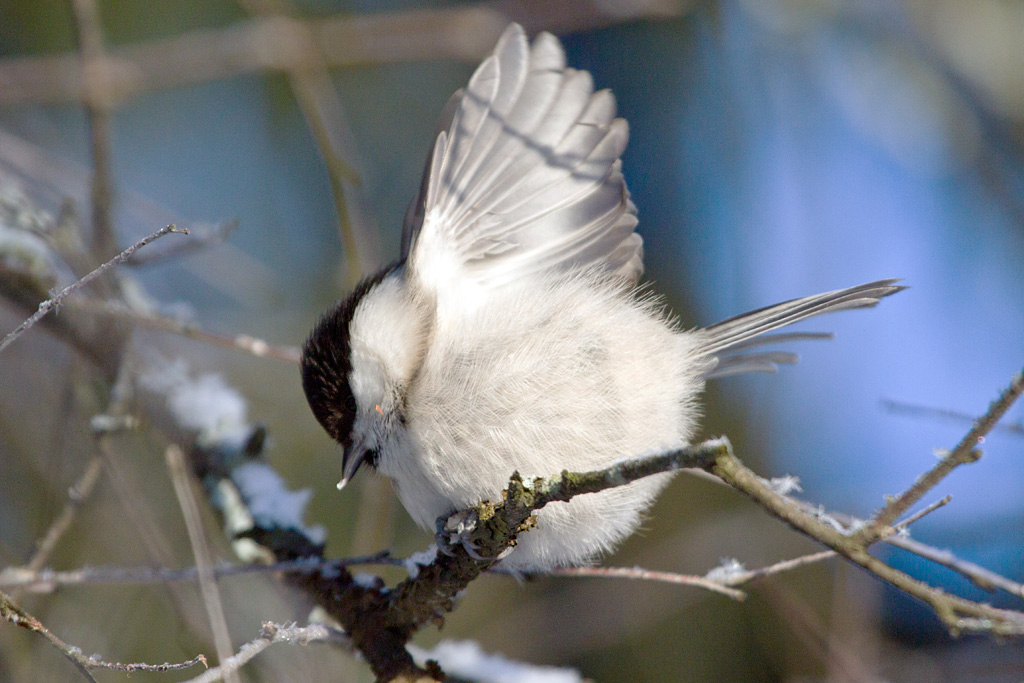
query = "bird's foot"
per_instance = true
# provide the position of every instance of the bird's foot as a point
(457, 530)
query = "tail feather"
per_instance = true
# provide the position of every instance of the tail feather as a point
(726, 342)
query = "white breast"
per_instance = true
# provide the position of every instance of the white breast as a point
(570, 372)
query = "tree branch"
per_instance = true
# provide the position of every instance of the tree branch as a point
(10, 611)
(97, 109)
(958, 614)
(155, 321)
(915, 410)
(466, 33)
(48, 305)
(48, 580)
(963, 453)
(201, 552)
(271, 633)
(641, 574)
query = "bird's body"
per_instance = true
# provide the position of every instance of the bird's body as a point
(511, 336)
(536, 378)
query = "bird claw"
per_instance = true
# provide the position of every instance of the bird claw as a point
(457, 530)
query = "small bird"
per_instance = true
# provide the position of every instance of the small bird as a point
(511, 335)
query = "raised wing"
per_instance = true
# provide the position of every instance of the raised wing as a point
(526, 179)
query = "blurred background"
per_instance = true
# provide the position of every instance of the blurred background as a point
(778, 148)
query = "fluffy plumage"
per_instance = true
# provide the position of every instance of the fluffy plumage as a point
(510, 335)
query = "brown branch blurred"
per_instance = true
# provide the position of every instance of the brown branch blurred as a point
(322, 109)
(97, 110)
(916, 410)
(78, 493)
(182, 483)
(280, 43)
(163, 323)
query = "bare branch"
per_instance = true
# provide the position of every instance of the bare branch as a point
(282, 44)
(315, 95)
(958, 614)
(417, 601)
(203, 236)
(76, 495)
(737, 575)
(978, 575)
(540, 491)
(10, 611)
(914, 410)
(48, 305)
(640, 574)
(82, 488)
(207, 582)
(270, 634)
(963, 453)
(46, 580)
(97, 108)
(325, 117)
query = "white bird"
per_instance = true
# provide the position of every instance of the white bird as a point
(511, 335)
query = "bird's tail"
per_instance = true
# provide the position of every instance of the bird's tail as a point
(728, 343)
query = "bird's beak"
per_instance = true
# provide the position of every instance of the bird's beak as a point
(354, 456)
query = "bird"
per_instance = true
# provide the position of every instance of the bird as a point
(511, 334)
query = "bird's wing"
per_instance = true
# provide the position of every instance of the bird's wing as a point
(728, 343)
(525, 178)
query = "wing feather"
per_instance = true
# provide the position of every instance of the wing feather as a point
(525, 177)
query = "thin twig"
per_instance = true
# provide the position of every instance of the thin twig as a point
(203, 237)
(978, 575)
(270, 634)
(76, 495)
(163, 323)
(914, 410)
(95, 98)
(82, 488)
(739, 576)
(46, 580)
(940, 503)
(10, 611)
(640, 574)
(48, 305)
(123, 484)
(312, 91)
(958, 614)
(207, 582)
(963, 453)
